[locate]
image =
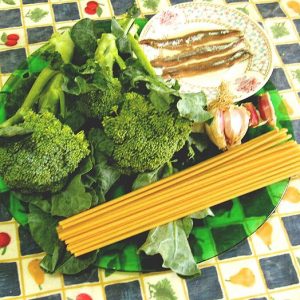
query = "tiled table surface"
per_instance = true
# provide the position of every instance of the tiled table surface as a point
(266, 266)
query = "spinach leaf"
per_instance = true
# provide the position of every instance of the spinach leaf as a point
(50, 261)
(191, 106)
(105, 174)
(170, 241)
(84, 38)
(144, 179)
(202, 214)
(43, 228)
(74, 198)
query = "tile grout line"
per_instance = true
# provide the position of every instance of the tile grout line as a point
(21, 271)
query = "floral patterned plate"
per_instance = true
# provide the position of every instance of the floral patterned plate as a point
(244, 78)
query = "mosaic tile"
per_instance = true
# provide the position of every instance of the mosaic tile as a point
(165, 285)
(291, 7)
(262, 298)
(233, 1)
(66, 11)
(10, 18)
(7, 43)
(33, 1)
(270, 237)
(120, 7)
(287, 295)
(279, 271)
(291, 104)
(38, 281)
(292, 226)
(242, 278)
(291, 199)
(37, 15)
(124, 291)
(296, 127)
(9, 280)
(89, 275)
(151, 6)
(27, 244)
(49, 297)
(10, 250)
(289, 53)
(242, 249)
(279, 79)
(270, 10)
(103, 10)
(10, 59)
(39, 34)
(197, 287)
(178, 1)
(87, 292)
(297, 24)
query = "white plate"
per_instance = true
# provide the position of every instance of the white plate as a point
(245, 78)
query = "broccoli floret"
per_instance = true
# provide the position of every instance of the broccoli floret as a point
(98, 103)
(42, 161)
(144, 139)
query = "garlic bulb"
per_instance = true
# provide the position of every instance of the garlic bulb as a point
(229, 126)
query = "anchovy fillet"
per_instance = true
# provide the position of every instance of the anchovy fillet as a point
(210, 65)
(197, 53)
(191, 39)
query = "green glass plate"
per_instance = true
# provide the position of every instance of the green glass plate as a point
(234, 220)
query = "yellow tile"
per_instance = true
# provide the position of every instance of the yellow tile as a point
(11, 250)
(292, 294)
(147, 7)
(104, 5)
(291, 7)
(37, 15)
(20, 41)
(270, 237)
(169, 283)
(94, 292)
(242, 278)
(281, 30)
(291, 199)
(38, 283)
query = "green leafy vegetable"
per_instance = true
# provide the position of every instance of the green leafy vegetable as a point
(191, 106)
(43, 228)
(170, 241)
(74, 198)
(17, 209)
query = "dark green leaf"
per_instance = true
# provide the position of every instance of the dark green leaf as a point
(43, 228)
(50, 261)
(83, 36)
(74, 198)
(191, 106)
(17, 209)
(199, 141)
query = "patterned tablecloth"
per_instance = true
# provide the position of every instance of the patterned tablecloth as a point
(265, 266)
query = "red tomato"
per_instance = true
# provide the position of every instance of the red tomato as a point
(13, 37)
(4, 239)
(92, 4)
(83, 297)
(11, 43)
(90, 11)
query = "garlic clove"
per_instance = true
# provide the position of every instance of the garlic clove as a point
(266, 109)
(215, 129)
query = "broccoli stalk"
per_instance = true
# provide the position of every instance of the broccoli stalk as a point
(62, 44)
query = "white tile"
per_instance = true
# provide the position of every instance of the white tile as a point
(9, 233)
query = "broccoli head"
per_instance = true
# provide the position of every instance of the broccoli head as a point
(100, 102)
(144, 139)
(41, 161)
